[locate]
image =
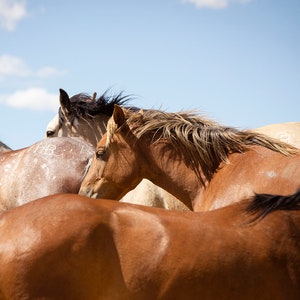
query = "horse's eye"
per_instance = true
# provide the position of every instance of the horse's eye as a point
(100, 152)
(50, 133)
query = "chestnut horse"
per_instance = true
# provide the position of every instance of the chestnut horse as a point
(71, 247)
(86, 117)
(47, 167)
(199, 161)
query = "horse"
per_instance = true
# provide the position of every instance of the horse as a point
(83, 115)
(67, 246)
(86, 117)
(44, 168)
(199, 161)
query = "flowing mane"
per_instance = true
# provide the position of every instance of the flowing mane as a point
(205, 142)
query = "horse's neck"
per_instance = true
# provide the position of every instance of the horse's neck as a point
(172, 173)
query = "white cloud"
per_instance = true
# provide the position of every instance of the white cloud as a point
(14, 66)
(32, 98)
(215, 4)
(11, 12)
(49, 71)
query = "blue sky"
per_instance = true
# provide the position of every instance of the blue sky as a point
(236, 61)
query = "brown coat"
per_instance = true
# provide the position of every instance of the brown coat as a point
(71, 247)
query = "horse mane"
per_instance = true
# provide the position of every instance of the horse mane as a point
(87, 107)
(262, 204)
(205, 142)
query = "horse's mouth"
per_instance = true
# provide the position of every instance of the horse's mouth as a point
(88, 193)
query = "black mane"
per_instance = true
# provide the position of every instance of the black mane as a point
(84, 106)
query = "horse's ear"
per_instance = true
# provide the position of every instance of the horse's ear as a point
(93, 98)
(118, 115)
(65, 101)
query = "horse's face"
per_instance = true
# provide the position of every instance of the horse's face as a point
(53, 129)
(65, 126)
(113, 171)
(61, 126)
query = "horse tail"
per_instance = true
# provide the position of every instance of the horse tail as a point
(263, 204)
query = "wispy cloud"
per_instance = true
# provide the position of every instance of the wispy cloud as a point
(32, 98)
(15, 66)
(48, 72)
(12, 66)
(214, 4)
(35, 98)
(11, 12)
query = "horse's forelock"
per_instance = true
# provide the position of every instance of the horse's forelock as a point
(133, 115)
(110, 130)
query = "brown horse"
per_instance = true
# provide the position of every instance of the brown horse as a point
(70, 247)
(199, 161)
(45, 168)
(86, 117)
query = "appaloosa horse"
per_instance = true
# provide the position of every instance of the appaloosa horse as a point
(199, 161)
(69, 247)
(86, 117)
(45, 168)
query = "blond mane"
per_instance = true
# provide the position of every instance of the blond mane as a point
(205, 142)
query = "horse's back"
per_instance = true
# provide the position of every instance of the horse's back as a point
(99, 249)
(47, 167)
(258, 170)
(49, 249)
(148, 194)
(288, 132)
